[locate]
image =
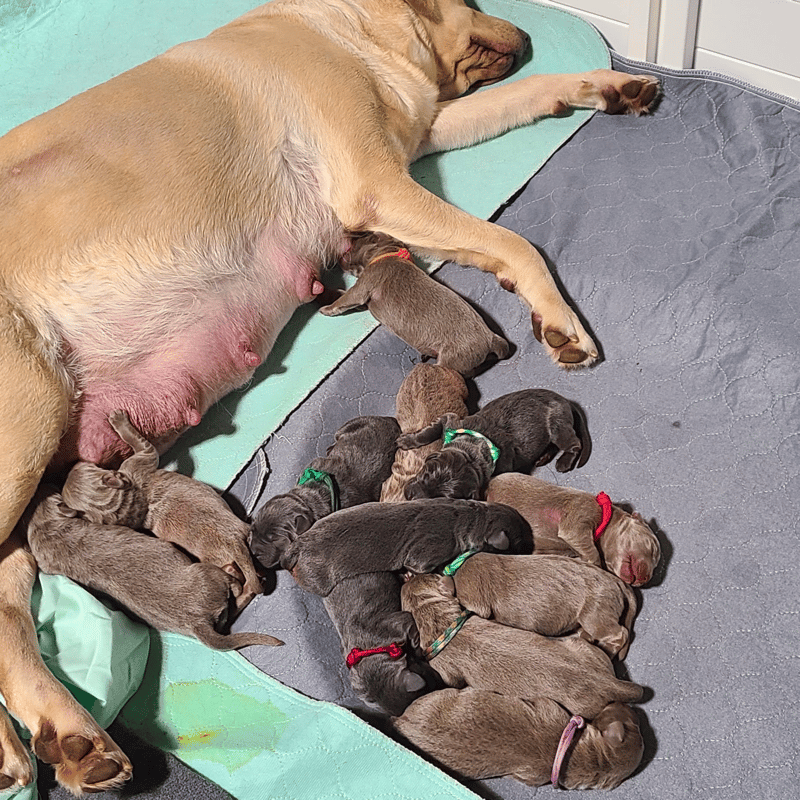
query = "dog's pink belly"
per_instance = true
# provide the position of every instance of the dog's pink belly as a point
(169, 389)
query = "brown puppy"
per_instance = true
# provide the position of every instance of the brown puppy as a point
(550, 595)
(559, 516)
(273, 138)
(426, 393)
(518, 663)
(174, 507)
(424, 313)
(148, 576)
(479, 734)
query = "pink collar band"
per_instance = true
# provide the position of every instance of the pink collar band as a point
(393, 650)
(573, 725)
(605, 506)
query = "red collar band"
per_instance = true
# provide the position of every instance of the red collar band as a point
(393, 650)
(401, 253)
(605, 506)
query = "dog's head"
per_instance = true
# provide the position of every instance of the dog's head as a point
(276, 525)
(630, 548)
(607, 751)
(470, 48)
(450, 473)
(100, 494)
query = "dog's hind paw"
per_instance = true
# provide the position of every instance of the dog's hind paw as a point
(88, 761)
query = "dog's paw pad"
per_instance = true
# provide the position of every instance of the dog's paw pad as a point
(564, 350)
(82, 764)
(634, 96)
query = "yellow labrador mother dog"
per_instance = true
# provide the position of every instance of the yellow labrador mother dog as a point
(159, 230)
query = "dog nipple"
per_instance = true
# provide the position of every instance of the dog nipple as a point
(251, 359)
(317, 288)
(192, 417)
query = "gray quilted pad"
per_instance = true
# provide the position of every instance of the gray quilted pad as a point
(676, 236)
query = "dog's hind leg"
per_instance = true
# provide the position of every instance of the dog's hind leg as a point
(400, 207)
(63, 733)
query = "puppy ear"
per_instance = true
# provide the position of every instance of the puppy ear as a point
(413, 682)
(301, 524)
(65, 511)
(113, 480)
(498, 540)
(448, 584)
(615, 732)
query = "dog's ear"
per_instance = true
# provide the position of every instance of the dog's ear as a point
(498, 540)
(615, 732)
(412, 682)
(302, 522)
(65, 511)
(113, 480)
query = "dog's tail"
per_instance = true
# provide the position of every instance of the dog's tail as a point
(233, 641)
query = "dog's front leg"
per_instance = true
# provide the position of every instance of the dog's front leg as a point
(401, 208)
(15, 766)
(63, 733)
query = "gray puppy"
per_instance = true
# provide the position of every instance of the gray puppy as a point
(380, 642)
(426, 393)
(517, 663)
(148, 576)
(567, 520)
(550, 595)
(418, 536)
(513, 433)
(352, 472)
(174, 507)
(422, 312)
(479, 734)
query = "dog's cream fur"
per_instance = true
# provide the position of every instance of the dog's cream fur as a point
(159, 230)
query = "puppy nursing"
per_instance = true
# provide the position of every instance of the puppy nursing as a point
(172, 506)
(399, 295)
(148, 576)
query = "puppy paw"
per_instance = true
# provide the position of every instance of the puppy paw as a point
(15, 765)
(87, 761)
(567, 350)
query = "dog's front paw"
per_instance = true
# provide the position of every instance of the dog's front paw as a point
(87, 761)
(618, 92)
(568, 350)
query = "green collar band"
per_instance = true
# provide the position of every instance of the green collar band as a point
(453, 566)
(318, 476)
(451, 433)
(436, 646)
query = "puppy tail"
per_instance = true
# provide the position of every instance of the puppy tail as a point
(500, 347)
(233, 641)
(629, 692)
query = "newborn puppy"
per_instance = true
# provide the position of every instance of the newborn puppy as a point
(561, 516)
(148, 576)
(412, 305)
(517, 663)
(174, 507)
(366, 612)
(479, 734)
(419, 536)
(356, 465)
(550, 595)
(514, 433)
(426, 393)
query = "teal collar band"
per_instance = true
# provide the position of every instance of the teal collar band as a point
(318, 476)
(453, 566)
(436, 646)
(451, 433)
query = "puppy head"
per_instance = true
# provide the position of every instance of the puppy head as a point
(606, 752)
(470, 48)
(450, 473)
(276, 525)
(630, 548)
(366, 246)
(386, 684)
(99, 493)
(46, 507)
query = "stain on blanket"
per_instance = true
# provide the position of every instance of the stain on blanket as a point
(247, 728)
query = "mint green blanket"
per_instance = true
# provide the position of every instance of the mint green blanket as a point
(216, 712)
